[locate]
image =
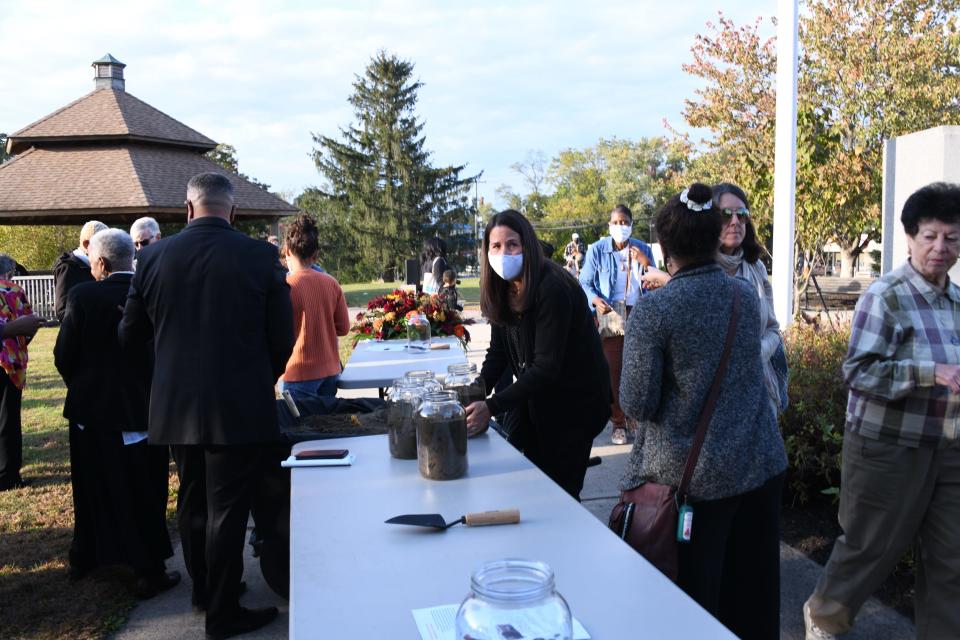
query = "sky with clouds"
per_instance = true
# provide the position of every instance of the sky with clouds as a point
(500, 78)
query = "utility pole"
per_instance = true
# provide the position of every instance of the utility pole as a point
(476, 218)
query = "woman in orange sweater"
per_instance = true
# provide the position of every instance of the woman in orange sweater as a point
(319, 316)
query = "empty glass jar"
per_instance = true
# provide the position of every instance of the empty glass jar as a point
(403, 402)
(464, 380)
(441, 436)
(513, 599)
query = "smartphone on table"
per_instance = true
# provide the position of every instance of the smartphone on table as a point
(322, 454)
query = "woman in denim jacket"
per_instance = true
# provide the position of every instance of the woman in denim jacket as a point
(611, 274)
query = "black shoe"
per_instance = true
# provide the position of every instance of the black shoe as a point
(245, 621)
(149, 586)
(77, 572)
(19, 484)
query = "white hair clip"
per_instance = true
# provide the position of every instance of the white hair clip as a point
(694, 206)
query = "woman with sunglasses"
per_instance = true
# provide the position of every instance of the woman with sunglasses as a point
(739, 256)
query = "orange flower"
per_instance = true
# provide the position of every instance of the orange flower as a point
(412, 313)
(459, 331)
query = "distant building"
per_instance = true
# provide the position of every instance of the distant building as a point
(863, 265)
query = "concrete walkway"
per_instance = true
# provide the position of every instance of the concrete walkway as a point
(169, 615)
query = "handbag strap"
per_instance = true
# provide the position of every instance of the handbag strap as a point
(711, 403)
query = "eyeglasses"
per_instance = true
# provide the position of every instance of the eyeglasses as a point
(740, 212)
(139, 244)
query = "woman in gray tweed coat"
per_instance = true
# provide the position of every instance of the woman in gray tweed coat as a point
(672, 349)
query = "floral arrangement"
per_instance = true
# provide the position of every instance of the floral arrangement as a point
(386, 317)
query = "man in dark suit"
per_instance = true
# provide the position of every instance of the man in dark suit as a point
(217, 304)
(119, 481)
(73, 268)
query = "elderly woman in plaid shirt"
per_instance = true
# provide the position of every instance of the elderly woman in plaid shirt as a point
(901, 452)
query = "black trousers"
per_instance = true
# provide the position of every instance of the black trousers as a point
(119, 501)
(11, 434)
(561, 449)
(217, 486)
(731, 566)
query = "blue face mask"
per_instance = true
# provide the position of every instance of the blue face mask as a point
(506, 266)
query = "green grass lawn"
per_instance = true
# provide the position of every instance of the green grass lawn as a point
(358, 293)
(36, 525)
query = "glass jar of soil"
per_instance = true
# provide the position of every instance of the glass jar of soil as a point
(441, 436)
(464, 380)
(403, 402)
(425, 378)
(515, 597)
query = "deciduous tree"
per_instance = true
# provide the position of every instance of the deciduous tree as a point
(869, 71)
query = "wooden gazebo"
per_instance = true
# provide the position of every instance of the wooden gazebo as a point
(112, 157)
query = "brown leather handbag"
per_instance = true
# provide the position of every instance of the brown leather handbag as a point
(647, 516)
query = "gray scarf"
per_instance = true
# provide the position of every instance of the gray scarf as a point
(730, 262)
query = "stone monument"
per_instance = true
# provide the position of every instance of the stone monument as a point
(910, 162)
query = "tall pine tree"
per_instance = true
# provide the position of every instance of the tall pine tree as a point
(380, 183)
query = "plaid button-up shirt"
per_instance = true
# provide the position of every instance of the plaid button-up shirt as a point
(902, 327)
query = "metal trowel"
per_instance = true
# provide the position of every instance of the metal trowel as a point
(436, 521)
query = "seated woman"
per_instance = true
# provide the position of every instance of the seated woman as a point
(319, 316)
(543, 332)
(673, 346)
(119, 480)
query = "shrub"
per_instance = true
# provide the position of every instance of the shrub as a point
(812, 425)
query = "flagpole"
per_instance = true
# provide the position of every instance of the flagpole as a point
(785, 161)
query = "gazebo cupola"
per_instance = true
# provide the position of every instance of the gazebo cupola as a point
(108, 73)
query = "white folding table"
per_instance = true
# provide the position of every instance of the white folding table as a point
(353, 576)
(377, 364)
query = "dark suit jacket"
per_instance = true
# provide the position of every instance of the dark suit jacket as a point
(106, 389)
(217, 304)
(68, 270)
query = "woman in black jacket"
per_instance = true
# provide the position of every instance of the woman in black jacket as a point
(542, 328)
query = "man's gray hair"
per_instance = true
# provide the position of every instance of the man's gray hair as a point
(115, 246)
(211, 189)
(8, 265)
(144, 224)
(90, 228)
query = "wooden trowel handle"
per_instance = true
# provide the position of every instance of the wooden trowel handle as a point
(503, 516)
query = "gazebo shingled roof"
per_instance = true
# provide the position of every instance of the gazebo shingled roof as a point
(112, 157)
(107, 115)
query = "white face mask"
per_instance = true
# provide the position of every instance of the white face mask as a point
(506, 266)
(620, 232)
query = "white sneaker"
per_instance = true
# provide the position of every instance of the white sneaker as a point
(619, 436)
(813, 631)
